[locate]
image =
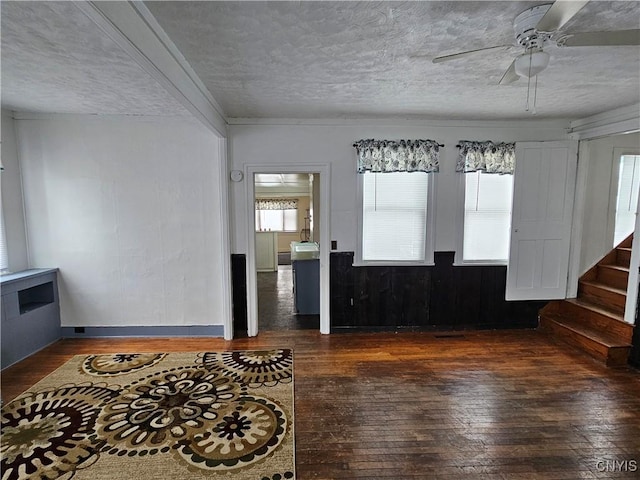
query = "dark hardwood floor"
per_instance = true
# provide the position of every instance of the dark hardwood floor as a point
(483, 405)
(276, 309)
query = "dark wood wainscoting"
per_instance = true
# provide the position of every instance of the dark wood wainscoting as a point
(239, 292)
(442, 297)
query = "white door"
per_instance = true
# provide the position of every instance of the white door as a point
(543, 192)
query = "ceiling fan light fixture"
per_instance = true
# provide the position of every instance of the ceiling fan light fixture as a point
(531, 63)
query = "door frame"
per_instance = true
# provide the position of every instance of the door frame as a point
(615, 186)
(252, 279)
(634, 263)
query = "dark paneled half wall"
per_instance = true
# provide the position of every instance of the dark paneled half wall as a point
(441, 297)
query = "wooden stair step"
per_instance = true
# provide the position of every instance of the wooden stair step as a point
(601, 346)
(616, 276)
(603, 294)
(594, 322)
(594, 307)
(603, 286)
(601, 337)
(612, 266)
(597, 317)
(623, 256)
(627, 242)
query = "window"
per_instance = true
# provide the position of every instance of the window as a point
(487, 216)
(627, 199)
(395, 218)
(277, 220)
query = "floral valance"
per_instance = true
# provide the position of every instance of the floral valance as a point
(276, 203)
(489, 157)
(397, 156)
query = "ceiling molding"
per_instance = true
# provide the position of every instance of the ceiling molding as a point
(393, 121)
(134, 29)
(613, 122)
(19, 115)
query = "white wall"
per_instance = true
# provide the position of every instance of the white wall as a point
(599, 209)
(270, 144)
(12, 205)
(128, 209)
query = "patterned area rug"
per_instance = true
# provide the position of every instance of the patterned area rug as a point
(155, 416)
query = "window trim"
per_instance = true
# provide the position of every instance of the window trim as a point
(429, 236)
(458, 258)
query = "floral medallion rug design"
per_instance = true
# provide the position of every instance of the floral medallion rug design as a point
(154, 416)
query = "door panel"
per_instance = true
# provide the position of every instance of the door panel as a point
(543, 193)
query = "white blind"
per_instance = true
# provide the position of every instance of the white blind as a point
(277, 220)
(627, 200)
(394, 216)
(487, 216)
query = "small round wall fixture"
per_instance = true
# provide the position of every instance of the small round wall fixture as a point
(236, 175)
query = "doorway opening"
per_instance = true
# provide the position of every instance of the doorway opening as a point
(319, 238)
(627, 196)
(288, 285)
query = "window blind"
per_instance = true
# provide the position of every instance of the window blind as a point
(487, 216)
(394, 216)
(277, 220)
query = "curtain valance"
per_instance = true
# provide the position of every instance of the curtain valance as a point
(276, 203)
(489, 157)
(397, 155)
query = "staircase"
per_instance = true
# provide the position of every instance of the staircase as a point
(594, 321)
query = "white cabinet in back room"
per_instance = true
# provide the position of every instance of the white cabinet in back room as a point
(266, 251)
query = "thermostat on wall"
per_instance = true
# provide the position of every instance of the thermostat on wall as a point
(236, 175)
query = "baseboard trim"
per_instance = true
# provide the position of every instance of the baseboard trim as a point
(144, 331)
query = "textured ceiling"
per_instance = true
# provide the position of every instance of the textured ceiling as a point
(55, 60)
(318, 60)
(351, 59)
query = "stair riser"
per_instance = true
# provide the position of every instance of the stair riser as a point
(610, 356)
(597, 321)
(623, 257)
(613, 300)
(614, 278)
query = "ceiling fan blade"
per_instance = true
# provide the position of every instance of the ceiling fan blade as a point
(510, 75)
(455, 56)
(560, 13)
(615, 38)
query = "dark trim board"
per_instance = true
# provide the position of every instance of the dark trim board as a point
(239, 292)
(144, 331)
(634, 355)
(434, 298)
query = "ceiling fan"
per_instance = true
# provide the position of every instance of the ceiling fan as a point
(539, 27)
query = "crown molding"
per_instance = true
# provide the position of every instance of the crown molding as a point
(613, 122)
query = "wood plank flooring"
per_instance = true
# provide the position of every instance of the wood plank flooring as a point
(484, 405)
